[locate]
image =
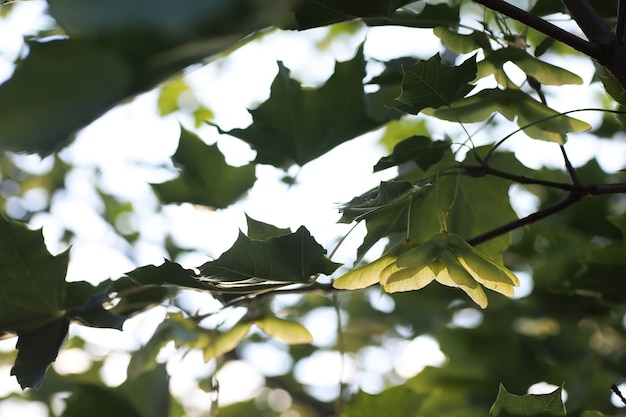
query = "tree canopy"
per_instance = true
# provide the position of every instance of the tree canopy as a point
(457, 247)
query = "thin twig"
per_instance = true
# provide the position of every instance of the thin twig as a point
(565, 113)
(570, 168)
(341, 348)
(618, 393)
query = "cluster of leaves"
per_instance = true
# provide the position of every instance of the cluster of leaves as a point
(447, 219)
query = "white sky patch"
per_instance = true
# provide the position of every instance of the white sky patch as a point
(546, 388)
(325, 368)
(417, 354)
(238, 380)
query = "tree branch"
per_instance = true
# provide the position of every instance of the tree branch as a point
(589, 21)
(604, 46)
(571, 199)
(621, 16)
(547, 28)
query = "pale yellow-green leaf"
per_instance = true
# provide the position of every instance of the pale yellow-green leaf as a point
(363, 276)
(544, 72)
(461, 44)
(201, 115)
(484, 270)
(455, 275)
(421, 255)
(370, 274)
(168, 98)
(286, 331)
(408, 279)
(222, 343)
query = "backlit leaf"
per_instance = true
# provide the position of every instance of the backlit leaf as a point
(370, 274)
(434, 84)
(291, 258)
(529, 405)
(544, 72)
(286, 128)
(321, 13)
(205, 176)
(419, 149)
(538, 120)
(287, 331)
(462, 44)
(32, 282)
(221, 343)
(37, 349)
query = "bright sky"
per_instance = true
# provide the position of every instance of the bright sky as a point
(130, 146)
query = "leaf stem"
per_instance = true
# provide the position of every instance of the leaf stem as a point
(565, 113)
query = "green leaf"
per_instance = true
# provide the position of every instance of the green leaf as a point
(434, 84)
(286, 128)
(529, 405)
(419, 149)
(538, 120)
(115, 51)
(97, 401)
(205, 178)
(388, 194)
(545, 73)
(287, 331)
(170, 94)
(262, 231)
(370, 274)
(174, 328)
(149, 392)
(37, 349)
(451, 261)
(92, 313)
(312, 14)
(462, 44)
(79, 83)
(613, 88)
(400, 401)
(32, 282)
(426, 16)
(168, 273)
(221, 343)
(292, 258)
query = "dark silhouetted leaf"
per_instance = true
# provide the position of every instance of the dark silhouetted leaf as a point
(32, 282)
(262, 231)
(389, 193)
(37, 349)
(168, 273)
(80, 83)
(92, 313)
(97, 401)
(205, 177)
(116, 51)
(434, 84)
(292, 258)
(297, 125)
(419, 149)
(312, 14)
